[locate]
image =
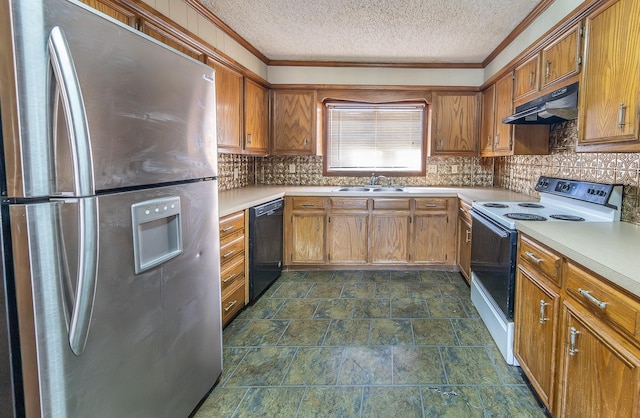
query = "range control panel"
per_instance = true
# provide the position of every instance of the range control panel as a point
(598, 193)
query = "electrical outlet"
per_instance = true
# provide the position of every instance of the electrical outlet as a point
(432, 169)
(236, 174)
(454, 169)
(292, 168)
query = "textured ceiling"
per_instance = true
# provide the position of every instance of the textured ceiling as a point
(380, 31)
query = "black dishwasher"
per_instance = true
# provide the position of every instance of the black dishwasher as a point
(265, 246)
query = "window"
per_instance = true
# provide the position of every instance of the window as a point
(362, 138)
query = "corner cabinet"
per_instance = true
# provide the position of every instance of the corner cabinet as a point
(293, 129)
(577, 336)
(455, 125)
(500, 139)
(256, 118)
(464, 240)
(609, 108)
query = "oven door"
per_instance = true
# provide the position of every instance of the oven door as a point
(493, 260)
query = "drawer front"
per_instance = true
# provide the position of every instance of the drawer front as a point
(231, 246)
(232, 304)
(463, 210)
(602, 299)
(431, 204)
(307, 202)
(230, 272)
(541, 259)
(349, 203)
(391, 204)
(231, 223)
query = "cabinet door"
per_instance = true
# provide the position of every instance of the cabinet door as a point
(431, 238)
(487, 132)
(610, 85)
(600, 376)
(114, 10)
(228, 108)
(525, 78)
(504, 108)
(464, 248)
(536, 329)
(560, 60)
(307, 238)
(348, 238)
(172, 38)
(294, 122)
(455, 124)
(256, 113)
(390, 238)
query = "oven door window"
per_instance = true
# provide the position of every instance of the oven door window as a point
(493, 261)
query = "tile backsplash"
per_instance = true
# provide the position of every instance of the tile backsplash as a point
(517, 173)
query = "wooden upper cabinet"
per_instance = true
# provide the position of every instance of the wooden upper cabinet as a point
(503, 108)
(487, 130)
(256, 102)
(561, 59)
(229, 114)
(525, 79)
(455, 123)
(608, 112)
(294, 122)
(114, 10)
(171, 37)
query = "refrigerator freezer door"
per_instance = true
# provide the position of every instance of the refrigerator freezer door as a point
(154, 341)
(149, 111)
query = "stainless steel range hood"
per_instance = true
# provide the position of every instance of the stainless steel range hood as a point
(555, 107)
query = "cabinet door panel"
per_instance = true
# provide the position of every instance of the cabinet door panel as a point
(228, 108)
(464, 248)
(308, 238)
(294, 122)
(390, 233)
(256, 119)
(488, 120)
(560, 59)
(600, 376)
(504, 108)
(430, 239)
(455, 127)
(348, 238)
(536, 329)
(526, 79)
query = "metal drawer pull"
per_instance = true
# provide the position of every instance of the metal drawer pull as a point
(308, 205)
(229, 228)
(542, 305)
(531, 74)
(227, 254)
(230, 305)
(467, 236)
(621, 115)
(462, 210)
(548, 70)
(587, 294)
(229, 278)
(430, 205)
(572, 340)
(533, 257)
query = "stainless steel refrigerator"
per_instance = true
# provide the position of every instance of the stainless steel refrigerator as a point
(110, 257)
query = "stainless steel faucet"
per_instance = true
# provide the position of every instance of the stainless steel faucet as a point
(375, 179)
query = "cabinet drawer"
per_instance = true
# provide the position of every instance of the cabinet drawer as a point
(541, 259)
(232, 304)
(431, 204)
(231, 246)
(391, 204)
(349, 203)
(309, 202)
(231, 271)
(602, 299)
(231, 223)
(463, 210)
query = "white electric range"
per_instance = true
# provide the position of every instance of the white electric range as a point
(495, 237)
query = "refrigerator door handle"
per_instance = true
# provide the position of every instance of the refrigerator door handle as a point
(73, 105)
(83, 299)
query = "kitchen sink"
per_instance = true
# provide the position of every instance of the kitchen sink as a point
(371, 189)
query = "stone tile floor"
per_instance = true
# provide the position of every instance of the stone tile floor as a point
(365, 344)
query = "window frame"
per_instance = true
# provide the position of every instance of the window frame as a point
(367, 172)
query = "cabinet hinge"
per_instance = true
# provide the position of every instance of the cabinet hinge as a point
(410, 220)
(511, 144)
(579, 60)
(581, 31)
(291, 218)
(445, 257)
(329, 219)
(329, 257)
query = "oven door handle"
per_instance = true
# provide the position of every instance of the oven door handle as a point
(502, 233)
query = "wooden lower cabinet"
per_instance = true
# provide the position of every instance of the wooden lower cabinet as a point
(370, 231)
(600, 376)
(536, 331)
(233, 265)
(464, 240)
(577, 337)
